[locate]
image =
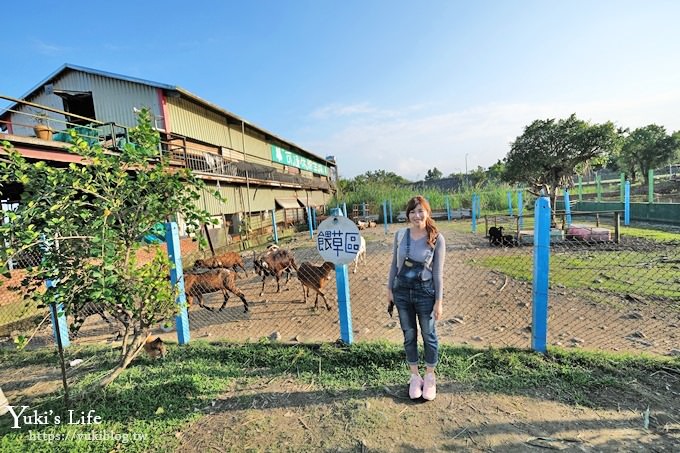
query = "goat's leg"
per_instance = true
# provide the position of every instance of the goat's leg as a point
(304, 292)
(263, 279)
(243, 299)
(245, 271)
(201, 304)
(328, 307)
(278, 283)
(225, 295)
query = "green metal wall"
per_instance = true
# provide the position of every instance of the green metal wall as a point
(645, 212)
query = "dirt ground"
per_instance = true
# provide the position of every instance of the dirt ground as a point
(286, 416)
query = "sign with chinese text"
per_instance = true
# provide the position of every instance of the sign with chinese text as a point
(338, 240)
(285, 157)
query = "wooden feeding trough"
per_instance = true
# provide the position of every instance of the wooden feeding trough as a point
(526, 237)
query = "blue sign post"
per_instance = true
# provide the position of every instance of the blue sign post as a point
(338, 241)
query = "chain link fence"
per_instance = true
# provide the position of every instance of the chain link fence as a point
(20, 319)
(604, 295)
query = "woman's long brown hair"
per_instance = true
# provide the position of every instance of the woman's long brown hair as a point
(432, 230)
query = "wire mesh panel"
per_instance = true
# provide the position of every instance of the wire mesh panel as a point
(614, 296)
(20, 318)
(484, 304)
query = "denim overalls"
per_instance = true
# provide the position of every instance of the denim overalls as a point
(414, 299)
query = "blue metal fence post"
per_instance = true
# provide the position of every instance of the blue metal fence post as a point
(177, 278)
(520, 208)
(309, 223)
(539, 328)
(510, 203)
(626, 204)
(448, 209)
(57, 315)
(344, 209)
(59, 325)
(473, 211)
(276, 233)
(385, 214)
(314, 218)
(567, 206)
(391, 219)
(344, 305)
(58, 318)
(363, 209)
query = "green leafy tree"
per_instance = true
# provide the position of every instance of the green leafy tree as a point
(647, 148)
(89, 218)
(547, 154)
(380, 177)
(433, 174)
(496, 171)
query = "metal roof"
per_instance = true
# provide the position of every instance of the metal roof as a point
(182, 91)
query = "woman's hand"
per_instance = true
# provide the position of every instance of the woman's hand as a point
(437, 310)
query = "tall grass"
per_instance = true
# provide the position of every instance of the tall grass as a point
(493, 198)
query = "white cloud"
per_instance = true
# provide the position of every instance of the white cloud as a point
(411, 142)
(49, 48)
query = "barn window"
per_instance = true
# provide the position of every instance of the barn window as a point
(79, 103)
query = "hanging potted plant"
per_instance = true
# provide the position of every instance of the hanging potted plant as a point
(42, 128)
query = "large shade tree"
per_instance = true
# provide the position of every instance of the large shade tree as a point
(87, 221)
(647, 148)
(547, 154)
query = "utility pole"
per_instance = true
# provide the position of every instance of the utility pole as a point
(466, 173)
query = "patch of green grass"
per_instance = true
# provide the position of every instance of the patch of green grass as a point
(153, 400)
(653, 234)
(642, 273)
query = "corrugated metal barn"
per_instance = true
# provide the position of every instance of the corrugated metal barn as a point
(255, 170)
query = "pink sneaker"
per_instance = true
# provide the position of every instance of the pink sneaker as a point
(429, 387)
(415, 387)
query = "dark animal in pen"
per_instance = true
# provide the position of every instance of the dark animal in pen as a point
(509, 240)
(495, 235)
(315, 278)
(197, 285)
(228, 260)
(274, 262)
(497, 238)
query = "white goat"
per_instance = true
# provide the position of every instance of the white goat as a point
(360, 254)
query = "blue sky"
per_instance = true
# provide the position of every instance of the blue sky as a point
(394, 85)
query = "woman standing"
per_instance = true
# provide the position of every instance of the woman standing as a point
(415, 287)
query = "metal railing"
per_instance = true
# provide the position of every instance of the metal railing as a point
(182, 153)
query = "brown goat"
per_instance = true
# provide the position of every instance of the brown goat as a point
(155, 348)
(315, 277)
(228, 260)
(196, 285)
(274, 262)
